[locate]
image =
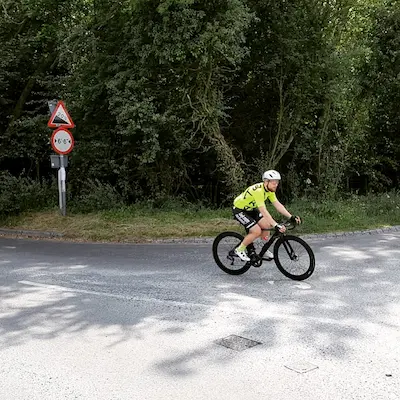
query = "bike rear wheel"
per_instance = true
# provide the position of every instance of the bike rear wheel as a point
(294, 257)
(223, 252)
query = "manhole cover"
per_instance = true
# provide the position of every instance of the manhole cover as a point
(238, 343)
(301, 367)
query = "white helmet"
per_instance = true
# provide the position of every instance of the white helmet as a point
(271, 174)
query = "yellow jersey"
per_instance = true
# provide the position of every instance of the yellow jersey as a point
(253, 197)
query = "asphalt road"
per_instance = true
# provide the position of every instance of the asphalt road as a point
(109, 321)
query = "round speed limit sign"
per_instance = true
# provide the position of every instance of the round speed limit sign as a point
(62, 141)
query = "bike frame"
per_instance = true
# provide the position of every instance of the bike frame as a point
(272, 239)
(269, 243)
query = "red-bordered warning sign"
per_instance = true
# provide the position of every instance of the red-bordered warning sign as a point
(60, 117)
(62, 141)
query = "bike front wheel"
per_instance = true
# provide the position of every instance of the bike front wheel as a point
(224, 253)
(294, 257)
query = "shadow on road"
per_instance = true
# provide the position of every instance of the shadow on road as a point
(179, 296)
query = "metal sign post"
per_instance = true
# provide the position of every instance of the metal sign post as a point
(62, 177)
(62, 143)
(60, 161)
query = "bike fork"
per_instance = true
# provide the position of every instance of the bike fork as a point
(293, 256)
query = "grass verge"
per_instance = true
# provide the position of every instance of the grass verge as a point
(140, 223)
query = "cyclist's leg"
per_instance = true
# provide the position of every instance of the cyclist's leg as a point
(256, 230)
(253, 234)
(264, 225)
(249, 222)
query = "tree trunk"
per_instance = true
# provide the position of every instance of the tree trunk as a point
(44, 63)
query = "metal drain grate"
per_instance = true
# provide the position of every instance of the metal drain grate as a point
(301, 367)
(237, 343)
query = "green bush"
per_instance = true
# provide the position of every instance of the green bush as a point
(96, 196)
(18, 194)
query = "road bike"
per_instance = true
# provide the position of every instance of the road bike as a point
(292, 255)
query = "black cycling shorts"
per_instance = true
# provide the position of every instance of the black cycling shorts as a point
(247, 218)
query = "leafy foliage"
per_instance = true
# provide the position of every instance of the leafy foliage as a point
(96, 196)
(381, 81)
(18, 194)
(180, 99)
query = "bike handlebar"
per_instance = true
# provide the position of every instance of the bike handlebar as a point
(288, 224)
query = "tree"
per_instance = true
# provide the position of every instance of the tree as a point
(381, 82)
(158, 70)
(28, 77)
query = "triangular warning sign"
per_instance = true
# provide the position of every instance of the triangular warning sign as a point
(60, 117)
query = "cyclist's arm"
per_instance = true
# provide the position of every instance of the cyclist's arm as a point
(281, 209)
(263, 210)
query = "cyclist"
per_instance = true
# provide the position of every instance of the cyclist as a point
(250, 211)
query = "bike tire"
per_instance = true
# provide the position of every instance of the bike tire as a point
(283, 260)
(221, 251)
